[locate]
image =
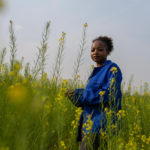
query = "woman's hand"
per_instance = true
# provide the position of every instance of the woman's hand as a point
(69, 94)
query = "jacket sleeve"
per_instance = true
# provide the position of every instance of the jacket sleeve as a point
(77, 97)
(110, 91)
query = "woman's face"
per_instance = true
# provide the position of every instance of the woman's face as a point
(99, 52)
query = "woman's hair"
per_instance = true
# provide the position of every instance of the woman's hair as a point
(107, 40)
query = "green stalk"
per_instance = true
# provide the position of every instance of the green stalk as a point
(41, 57)
(79, 60)
(2, 57)
(59, 59)
(13, 48)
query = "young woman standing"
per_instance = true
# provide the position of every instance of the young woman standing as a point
(102, 91)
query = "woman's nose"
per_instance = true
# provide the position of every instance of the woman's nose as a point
(95, 52)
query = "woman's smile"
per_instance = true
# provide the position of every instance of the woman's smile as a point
(96, 57)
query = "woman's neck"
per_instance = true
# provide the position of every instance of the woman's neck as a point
(99, 64)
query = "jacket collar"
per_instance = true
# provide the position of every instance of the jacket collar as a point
(105, 63)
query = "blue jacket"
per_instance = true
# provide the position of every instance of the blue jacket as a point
(106, 78)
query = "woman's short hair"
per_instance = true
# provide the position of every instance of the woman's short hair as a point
(107, 40)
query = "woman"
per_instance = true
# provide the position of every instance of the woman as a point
(102, 91)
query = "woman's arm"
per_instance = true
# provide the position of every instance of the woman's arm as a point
(109, 93)
(75, 96)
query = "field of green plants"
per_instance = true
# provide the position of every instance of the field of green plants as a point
(35, 114)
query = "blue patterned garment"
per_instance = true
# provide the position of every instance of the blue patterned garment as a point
(102, 90)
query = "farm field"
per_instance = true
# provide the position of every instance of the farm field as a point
(35, 114)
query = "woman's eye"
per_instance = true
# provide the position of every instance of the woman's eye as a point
(92, 50)
(100, 49)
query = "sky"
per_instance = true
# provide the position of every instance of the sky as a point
(125, 21)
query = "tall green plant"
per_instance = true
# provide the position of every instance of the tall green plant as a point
(79, 60)
(13, 48)
(59, 58)
(41, 57)
(2, 57)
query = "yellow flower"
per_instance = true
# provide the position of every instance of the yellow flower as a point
(85, 25)
(121, 113)
(78, 113)
(101, 93)
(109, 113)
(60, 39)
(60, 95)
(17, 93)
(148, 140)
(88, 124)
(121, 145)
(92, 66)
(17, 66)
(114, 70)
(62, 143)
(137, 128)
(63, 34)
(77, 76)
(143, 138)
(102, 132)
(73, 122)
(106, 109)
(112, 80)
(12, 73)
(65, 82)
(113, 126)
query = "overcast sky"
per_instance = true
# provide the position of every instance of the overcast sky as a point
(126, 21)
